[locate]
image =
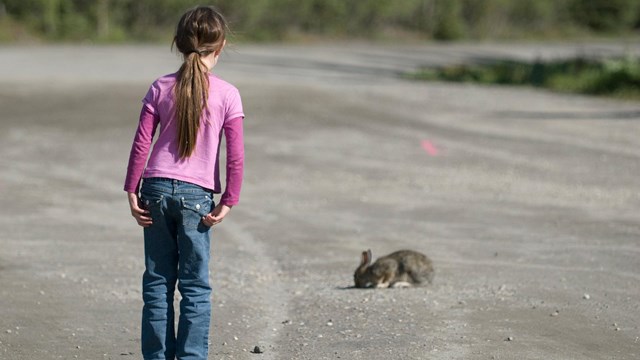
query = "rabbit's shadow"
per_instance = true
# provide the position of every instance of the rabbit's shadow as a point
(350, 288)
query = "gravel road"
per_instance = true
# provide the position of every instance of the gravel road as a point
(526, 201)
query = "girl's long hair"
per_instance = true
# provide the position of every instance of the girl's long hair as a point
(200, 32)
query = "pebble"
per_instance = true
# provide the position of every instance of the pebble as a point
(510, 338)
(586, 296)
(555, 313)
(257, 350)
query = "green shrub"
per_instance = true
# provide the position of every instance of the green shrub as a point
(612, 77)
(605, 15)
(448, 20)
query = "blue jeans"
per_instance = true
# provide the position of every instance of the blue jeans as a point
(176, 250)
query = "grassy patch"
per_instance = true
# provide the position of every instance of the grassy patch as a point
(608, 77)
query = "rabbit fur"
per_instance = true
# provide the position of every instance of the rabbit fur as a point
(404, 268)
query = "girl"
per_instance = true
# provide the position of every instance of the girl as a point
(192, 108)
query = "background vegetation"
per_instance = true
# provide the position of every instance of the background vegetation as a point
(388, 20)
(607, 77)
(275, 20)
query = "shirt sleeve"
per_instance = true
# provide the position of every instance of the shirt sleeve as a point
(141, 143)
(233, 105)
(234, 135)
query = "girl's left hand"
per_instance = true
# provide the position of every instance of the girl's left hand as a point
(216, 215)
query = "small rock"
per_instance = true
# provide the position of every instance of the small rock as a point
(555, 313)
(586, 296)
(9, 331)
(257, 350)
(329, 323)
(510, 338)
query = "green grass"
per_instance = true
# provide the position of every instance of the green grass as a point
(619, 77)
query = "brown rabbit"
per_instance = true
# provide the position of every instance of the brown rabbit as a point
(402, 268)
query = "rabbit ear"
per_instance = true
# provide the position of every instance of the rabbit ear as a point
(366, 258)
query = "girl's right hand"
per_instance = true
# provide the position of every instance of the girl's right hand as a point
(141, 215)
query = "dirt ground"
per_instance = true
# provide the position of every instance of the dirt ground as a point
(528, 203)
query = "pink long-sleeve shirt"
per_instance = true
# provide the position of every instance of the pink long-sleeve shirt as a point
(223, 114)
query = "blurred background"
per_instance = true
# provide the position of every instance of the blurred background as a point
(308, 20)
(409, 22)
(527, 201)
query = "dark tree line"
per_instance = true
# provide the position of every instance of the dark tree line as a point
(140, 20)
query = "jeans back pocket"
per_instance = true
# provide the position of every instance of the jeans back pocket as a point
(194, 207)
